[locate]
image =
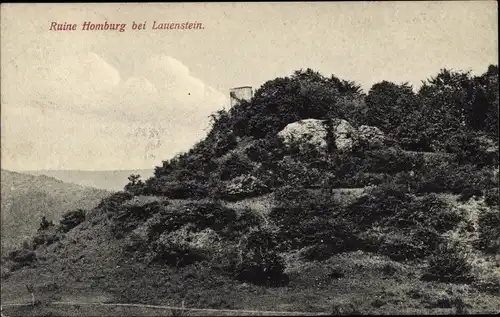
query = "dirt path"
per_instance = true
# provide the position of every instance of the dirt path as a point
(163, 307)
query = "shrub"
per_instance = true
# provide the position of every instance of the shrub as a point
(492, 197)
(184, 247)
(363, 179)
(303, 217)
(245, 221)
(116, 199)
(471, 149)
(391, 204)
(135, 185)
(259, 262)
(44, 224)
(267, 150)
(467, 193)
(234, 166)
(200, 215)
(136, 243)
(450, 263)
(432, 211)
(226, 259)
(22, 258)
(390, 160)
(490, 284)
(72, 219)
(45, 239)
(175, 254)
(410, 244)
(319, 252)
(489, 230)
(132, 215)
(179, 190)
(383, 204)
(240, 187)
(6, 272)
(313, 219)
(225, 143)
(457, 179)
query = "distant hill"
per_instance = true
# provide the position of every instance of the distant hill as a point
(26, 198)
(108, 180)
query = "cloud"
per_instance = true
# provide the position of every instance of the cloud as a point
(79, 112)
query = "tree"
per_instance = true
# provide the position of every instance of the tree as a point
(306, 94)
(388, 105)
(45, 224)
(445, 100)
(487, 102)
(135, 185)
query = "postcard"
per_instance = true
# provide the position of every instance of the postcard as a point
(291, 158)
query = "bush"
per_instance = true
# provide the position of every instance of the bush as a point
(468, 193)
(433, 212)
(200, 215)
(233, 167)
(390, 161)
(44, 224)
(245, 222)
(22, 258)
(489, 231)
(135, 185)
(116, 199)
(225, 143)
(179, 190)
(384, 204)
(453, 178)
(469, 149)
(450, 264)
(71, 219)
(313, 219)
(241, 187)
(410, 244)
(45, 239)
(184, 247)
(492, 197)
(489, 283)
(391, 205)
(133, 215)
(259, 262)
(319, 252)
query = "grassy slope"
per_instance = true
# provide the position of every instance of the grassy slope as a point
(89, 265)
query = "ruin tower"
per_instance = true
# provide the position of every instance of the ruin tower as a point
(240, 93)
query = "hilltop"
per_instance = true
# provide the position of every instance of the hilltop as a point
(26, 199)
(106, 180)
(312, 196)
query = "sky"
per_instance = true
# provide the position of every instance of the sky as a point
(102, 100)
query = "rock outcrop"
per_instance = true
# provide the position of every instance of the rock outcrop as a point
(344, 134)
(314, 132)
(308, 131)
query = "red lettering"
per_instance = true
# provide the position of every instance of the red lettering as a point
(54, 26)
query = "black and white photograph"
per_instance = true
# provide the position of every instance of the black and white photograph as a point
(250, 158)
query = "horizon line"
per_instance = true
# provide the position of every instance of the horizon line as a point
(77, 170)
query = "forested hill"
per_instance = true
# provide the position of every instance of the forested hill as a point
(453, 113)
(26, 199)
(384, 202)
